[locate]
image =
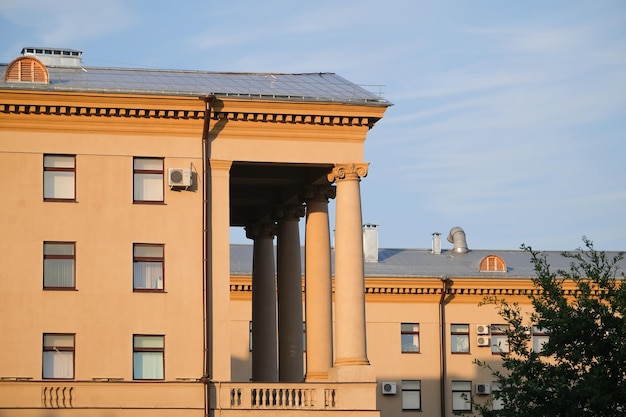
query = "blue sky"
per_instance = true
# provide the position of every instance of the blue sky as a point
(509, 118)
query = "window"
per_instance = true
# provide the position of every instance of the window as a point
(147, 267)
(499, 339)
(59, 178)
(58, 356)
(411, 395)
(58, 265)
(498, 403)
(410, 337)
(540, 338)
(148, 180)
(461, 395)
(148, 356)
(459, 338)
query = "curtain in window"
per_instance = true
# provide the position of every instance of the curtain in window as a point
(148, 365)
(148, 187)
(58, 364)
(411, 395)
(58, 273)
(148, 275)
(58, 185)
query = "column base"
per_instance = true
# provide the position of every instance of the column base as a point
(352, 373)
(316, 376)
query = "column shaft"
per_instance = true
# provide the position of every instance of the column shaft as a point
(318, 294)
(350, 339)
(290, 329)
(264, 343)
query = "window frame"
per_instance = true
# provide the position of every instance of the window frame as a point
(454, 334)
(460, 393)
(540, 337)
(59, 349)
(52, 169)
(151, 259)
(59, 257)
(414, 333)
(139, 350)
(499, 333)
(139, 172)
(406, 389)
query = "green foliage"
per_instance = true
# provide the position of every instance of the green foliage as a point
(581, 370)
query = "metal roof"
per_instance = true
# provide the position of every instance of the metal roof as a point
(322, 87)
(415, 263)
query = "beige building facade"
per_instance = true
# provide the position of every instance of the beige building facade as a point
(123, 296)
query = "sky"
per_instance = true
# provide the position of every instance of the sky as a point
(508, 117)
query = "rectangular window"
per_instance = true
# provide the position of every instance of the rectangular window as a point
(148, 267)
(498, 403)
(148, 357)
(59, 259)
(410, 337)
(58, 356)
(411, 395)
(459, 338)
(461, 395)
(540, 338)
(59, 178)
(148, 180)
(499, 339)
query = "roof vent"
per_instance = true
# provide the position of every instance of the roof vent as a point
(370, 242)
(457, 237)
(26, 70)
(437, 243)
(56, 57)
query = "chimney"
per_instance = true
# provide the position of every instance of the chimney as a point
(437, 243)
(457, 237)
(370, 242)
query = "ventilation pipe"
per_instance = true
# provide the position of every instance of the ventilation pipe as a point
(437, 243)
(457, 237)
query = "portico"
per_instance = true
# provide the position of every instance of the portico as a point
(276, 179)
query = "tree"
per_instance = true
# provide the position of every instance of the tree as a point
(581, 369)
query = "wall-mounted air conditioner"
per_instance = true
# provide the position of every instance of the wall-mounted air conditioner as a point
(483, 389)
(388, 388)
(179, 177)
(482, 329)
(482, 341)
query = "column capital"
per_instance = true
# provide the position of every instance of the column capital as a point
(349, 171)
(289, 212)
(261, 230)
(319, 193)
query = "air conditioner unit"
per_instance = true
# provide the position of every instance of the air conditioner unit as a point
(179, 177)
(483, 389)
(482, 341)
(388, 388)
(482, 329)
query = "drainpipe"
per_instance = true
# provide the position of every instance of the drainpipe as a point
(206, 148)
(442, 345)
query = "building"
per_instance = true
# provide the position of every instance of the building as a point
(121, 188)
(122, 295)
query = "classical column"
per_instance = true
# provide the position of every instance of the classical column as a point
(217, 265)
(290, 329)
(318, 284)
(350, 342)
(264, 344)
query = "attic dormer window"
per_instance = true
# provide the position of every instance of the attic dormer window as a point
(492, 263)
(26, 70)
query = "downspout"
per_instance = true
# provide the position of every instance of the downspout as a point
(442, 345)
(206, 147)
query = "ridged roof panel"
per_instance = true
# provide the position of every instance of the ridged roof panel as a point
(324, 87)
